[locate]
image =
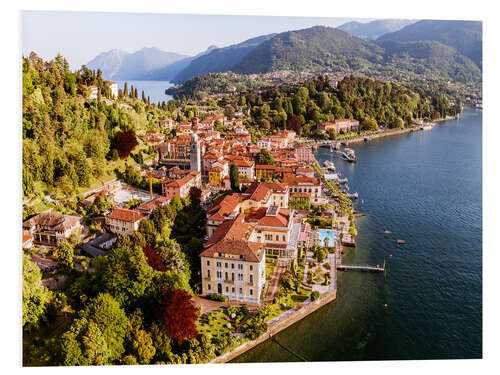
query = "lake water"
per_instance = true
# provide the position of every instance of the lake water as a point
(426, 188)
(154, 89)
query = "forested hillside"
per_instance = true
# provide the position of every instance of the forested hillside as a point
(69, 141)
(465, 36)
(309, 48)
(373, 103)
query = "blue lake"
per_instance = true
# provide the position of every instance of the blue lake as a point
(154, 89)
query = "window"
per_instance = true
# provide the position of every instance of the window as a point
(232, 276)
(284, 238)
(232, 266)
(251, 267)
(277, 237)
(269, 237)
(226, 275)
(208, 274)
(240, 266)
(219, 264)
(208, 262)
(226, 265)
(241, 291)
(219, 274)
(251, 279)
(232, 289)
(209, 287)
(240, 277)
(251, 292)
(227, 289)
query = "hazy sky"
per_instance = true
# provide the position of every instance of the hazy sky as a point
(80, 36)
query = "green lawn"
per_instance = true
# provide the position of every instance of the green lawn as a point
(270, 266)
(290, 300)
(216, 322)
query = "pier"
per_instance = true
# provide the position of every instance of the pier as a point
(343, 267)
(364, 268)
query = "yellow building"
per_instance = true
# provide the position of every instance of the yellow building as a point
(264, 172)
(232, 265)
(215, 176)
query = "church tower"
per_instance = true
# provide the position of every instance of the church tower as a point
(195, 154)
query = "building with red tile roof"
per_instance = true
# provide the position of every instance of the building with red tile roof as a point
(232, 264)
(123, 221)
(181, 186)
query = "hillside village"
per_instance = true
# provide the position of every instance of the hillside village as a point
(264, 214)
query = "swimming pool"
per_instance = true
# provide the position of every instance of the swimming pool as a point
(329, 234)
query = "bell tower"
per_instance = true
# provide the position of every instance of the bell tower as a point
(195, 154)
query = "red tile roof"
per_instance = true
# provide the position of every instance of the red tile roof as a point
(126, 215)
(152, 204)
(231, 237)
(280, 220)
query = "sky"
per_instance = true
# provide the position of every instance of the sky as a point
(80, 36)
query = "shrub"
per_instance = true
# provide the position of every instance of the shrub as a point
(244, 309)
(217, 297)
(314, 295)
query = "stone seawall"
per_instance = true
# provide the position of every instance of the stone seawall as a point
(282, 322)
(381, 135)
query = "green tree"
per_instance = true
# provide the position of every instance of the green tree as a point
(98, 336)
(125, 274)
(171, 256)
(65, 252)
(234, 176)
(139, 342)
(264, 157)
(370, 124)
(229, 111)
(36, 297)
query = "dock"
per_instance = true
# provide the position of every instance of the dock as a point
(365, 268)
(343, 267)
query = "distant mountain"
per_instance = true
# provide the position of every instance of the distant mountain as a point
(372, 30)
(109, 62)
(167, 73)
(119, 65)
(431, 58)
(318, 46)
(220, 59)
(465, 36)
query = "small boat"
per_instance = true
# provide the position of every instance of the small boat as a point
(349, 154)
(386, 233)
(329, 165)
(401, 242)
(354, 195)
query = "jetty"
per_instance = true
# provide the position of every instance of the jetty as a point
(376, 268)
(366, 268)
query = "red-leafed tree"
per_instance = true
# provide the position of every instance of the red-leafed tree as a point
(293, 123)
(125, 142)
(178, 314)
(154, 260)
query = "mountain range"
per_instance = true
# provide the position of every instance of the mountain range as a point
(373, 30)
(447, 49)
(120, 65)
(465, 36)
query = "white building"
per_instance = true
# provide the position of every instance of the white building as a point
(114, 89)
